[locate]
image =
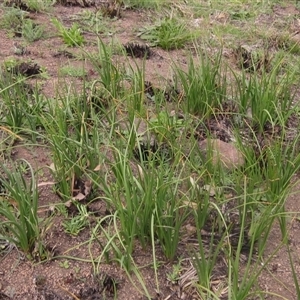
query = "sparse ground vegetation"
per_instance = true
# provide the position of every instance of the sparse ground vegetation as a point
(149, 149)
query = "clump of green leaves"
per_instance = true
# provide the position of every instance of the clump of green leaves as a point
(72, 36)
(31, 5)
(72, 71)
(169, 33)
(144, 3)
(31, 31)
(37, 6)
(12, 19)
(76, 224)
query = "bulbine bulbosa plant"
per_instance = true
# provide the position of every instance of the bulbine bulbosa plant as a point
(18, 209)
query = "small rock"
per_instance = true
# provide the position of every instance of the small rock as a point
(225, 153)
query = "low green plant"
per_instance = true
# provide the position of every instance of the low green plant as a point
(240, 14)
(108, 89)
(264, 97)
(204, 87)
(62, 209)
(169, 33)
(77, 223)
(144, 3)
(166, 127)
(73, 36)
(64, 264)
(22, 114)
(74, 142)
(31, 31)
(111, 74)
(174, 275)
(93, 21)
(37, 6)
(13, 19)
(18, 207)
(73, 71)
(151, 197)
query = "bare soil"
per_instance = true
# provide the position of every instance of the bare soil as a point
(64, 277)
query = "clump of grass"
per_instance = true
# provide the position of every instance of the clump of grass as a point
(151, 198)
(144, 3)
(169, 33)
(22, 114)
(39, 6)
(73, 71)
(203, 85)
(31, 5)
(12, 20)
(266, 97)
(18, 206)
(72, 131)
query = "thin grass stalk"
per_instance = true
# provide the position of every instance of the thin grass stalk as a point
(155, 267)
(170, 212)
(110, 76)
(294, 273)
(204, 262)
(136, 97)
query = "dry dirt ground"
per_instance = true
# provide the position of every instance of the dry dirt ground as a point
(66, 278)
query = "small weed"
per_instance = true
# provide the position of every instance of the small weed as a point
(12, 20)
(64, 264)
(166, 127)
(240, 14)
(31, 31)
(75, 224)
(62, 209)
(72, 71)
(170, 33)
(31, 5)
(176, 272)
(144, 3)
(72, 37)
(94, 21)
